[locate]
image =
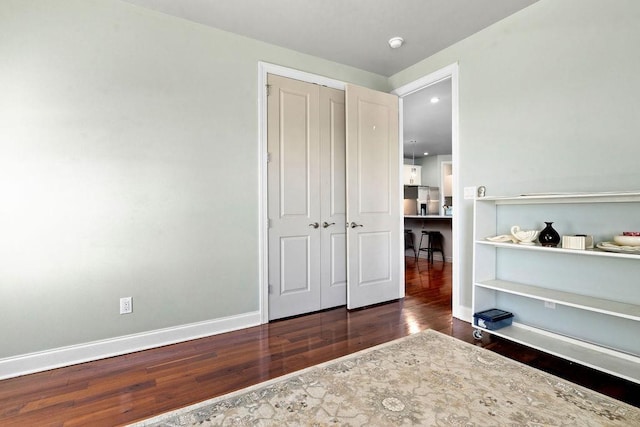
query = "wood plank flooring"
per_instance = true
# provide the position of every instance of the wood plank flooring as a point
(132, 387)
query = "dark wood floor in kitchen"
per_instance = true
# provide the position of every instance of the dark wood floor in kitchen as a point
(128, 388)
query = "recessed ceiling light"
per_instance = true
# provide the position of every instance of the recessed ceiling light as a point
(435, 100)
(396, 42)
(426, 154)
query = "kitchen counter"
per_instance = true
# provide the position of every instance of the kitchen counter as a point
(429, 216)
(416, 224)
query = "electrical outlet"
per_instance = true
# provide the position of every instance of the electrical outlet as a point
(126, 305)
(549, 304)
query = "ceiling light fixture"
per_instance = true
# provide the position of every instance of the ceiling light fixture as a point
(435, 100)
(426, 154)
(396, 42)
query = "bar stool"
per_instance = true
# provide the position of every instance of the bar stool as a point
(409, 242)
(434, 244)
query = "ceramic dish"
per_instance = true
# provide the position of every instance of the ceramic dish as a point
(503, 238)
(524, 237)
(612, 247)
(627, 240)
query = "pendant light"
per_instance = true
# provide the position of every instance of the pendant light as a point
(413, 163)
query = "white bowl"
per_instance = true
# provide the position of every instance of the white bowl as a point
(627, 240)
(526, 237)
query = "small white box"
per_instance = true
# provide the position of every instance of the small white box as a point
(581, 241)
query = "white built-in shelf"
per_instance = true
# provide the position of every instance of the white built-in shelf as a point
(605, 332)
(613, 362)
(613, 308)
(536, 247)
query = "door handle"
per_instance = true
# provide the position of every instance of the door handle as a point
(354, 225)
(314, 225)
(326, 224)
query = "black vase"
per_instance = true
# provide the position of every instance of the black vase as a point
(548, 236)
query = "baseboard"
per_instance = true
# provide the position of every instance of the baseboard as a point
(65, 356)
(463, 313)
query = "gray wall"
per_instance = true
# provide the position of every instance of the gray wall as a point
(431, 170)
(128, 167)
(549, 101)
(128, 150)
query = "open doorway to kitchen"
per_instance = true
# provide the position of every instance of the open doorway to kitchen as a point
(429, 132)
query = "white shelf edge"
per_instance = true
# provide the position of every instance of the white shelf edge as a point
(605, 197)
(585, 252)
(616, 363)
(584, 302)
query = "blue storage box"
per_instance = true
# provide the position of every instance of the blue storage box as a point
(492, 319)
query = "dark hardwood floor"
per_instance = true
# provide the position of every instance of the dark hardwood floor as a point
(128, 388)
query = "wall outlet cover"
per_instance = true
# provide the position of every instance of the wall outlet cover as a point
(469, 192)
(126, 305)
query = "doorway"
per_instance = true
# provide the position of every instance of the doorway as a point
(450, 75)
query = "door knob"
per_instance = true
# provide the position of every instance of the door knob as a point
(314, 225)
(354, 225)
(326, 224)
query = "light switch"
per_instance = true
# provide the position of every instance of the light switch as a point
(469, 192)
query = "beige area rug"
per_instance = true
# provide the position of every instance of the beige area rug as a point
(426, 379)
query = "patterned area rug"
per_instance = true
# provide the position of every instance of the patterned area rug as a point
(426, 379)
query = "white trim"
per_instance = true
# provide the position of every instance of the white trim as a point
(401, 262)
(465, 313)
(65, 356)
(265, 68)
(450, 71)
(428, 80)
(263, 218)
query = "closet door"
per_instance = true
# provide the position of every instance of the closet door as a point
(333, 246)
(293, 175)
(315, 260)
(373, 197)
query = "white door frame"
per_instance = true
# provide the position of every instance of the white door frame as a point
(265, 68)
(450, 71)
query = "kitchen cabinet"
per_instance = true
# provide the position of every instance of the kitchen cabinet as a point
(412, 175)
(582, 305)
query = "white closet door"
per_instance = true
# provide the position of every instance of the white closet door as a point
(373, 200)
(333, 270)
(293, 175)
(315, 262)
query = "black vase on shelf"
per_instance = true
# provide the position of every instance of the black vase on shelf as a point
(548, 236)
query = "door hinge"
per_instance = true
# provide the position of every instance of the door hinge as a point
(268, 86)
(268, 157)
(270, 289)
(268, 222)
